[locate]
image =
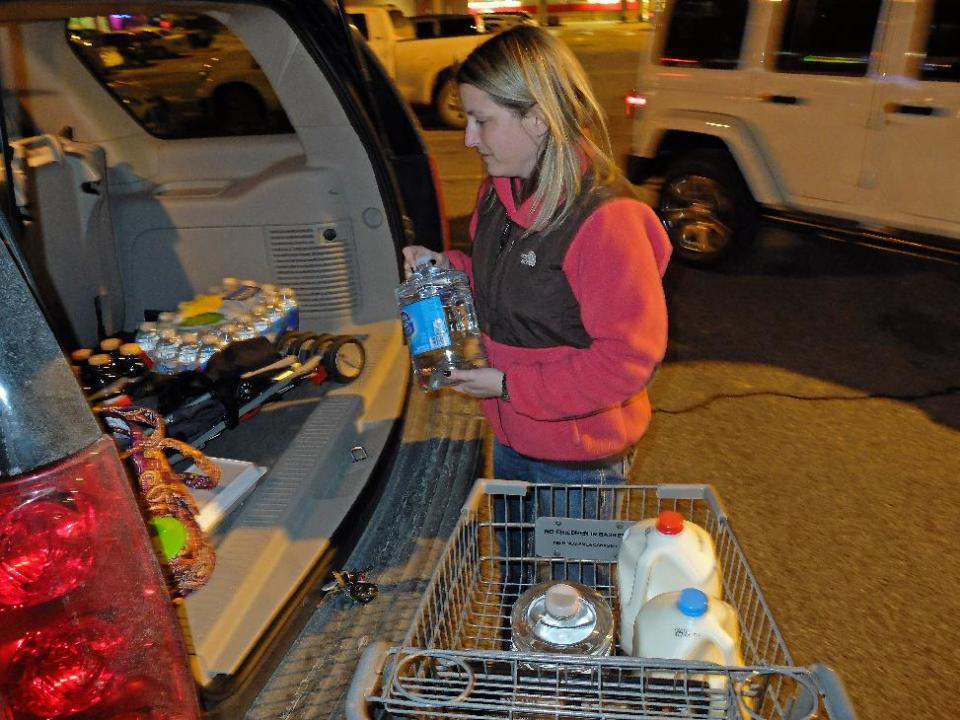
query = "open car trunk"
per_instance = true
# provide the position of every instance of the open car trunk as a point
(258, 156)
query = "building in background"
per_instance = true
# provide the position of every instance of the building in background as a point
(543, 10)
(553, 11)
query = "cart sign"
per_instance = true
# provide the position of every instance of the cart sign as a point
(576, 539)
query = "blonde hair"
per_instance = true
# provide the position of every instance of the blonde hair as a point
(526, 67)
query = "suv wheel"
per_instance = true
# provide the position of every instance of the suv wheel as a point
(706, 207)
(447, 104)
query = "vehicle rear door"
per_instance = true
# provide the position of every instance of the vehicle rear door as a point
(917, 112)
(813, 95)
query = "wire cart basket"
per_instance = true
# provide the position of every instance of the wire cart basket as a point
(457, 659)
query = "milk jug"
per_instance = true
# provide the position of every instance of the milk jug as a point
(689, 625)
(440, 322)
(658, 555)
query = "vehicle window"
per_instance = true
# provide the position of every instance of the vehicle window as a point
(706, 33)
(179, 76)
(458, 26)
(942, 61)
(425, 29)
(359, 21)
(402, 27)
(828, 37)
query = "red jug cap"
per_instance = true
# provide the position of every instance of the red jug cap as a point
(670, 522)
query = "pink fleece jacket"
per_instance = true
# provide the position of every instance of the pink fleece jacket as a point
(585, 404)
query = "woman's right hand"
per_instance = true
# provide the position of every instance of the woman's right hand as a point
(414, 255)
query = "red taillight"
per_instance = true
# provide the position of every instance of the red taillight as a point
(86, 622)
(46, 546)
(66, 670)
(633, 101)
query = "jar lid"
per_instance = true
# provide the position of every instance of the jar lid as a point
(130, 349)
(99, 360)
(562, 601)
(81, 354)
(110, 344)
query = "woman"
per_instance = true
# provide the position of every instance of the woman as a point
(566, 270)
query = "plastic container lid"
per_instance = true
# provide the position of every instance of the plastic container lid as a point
(692, 602)
(562, 601)
(670, 522)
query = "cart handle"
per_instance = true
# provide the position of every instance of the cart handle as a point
(365, 678)
(834, 694)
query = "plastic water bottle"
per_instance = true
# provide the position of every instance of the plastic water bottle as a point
(147, 337)
(562, 617)
(210, 344)
(291, 308)
(245, 329)
(188, 354)
(660, 555)
(689, 625)
(228, 332)
(276, 316)
(261, 322)
(167, 320)
(165, 357)
(440, 322)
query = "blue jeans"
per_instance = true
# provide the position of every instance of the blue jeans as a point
(517, 543)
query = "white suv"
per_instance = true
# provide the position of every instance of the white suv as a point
(842, 115)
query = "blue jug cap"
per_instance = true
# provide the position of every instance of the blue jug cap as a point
(692, 602)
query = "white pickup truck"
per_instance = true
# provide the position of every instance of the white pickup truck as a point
(423, 69)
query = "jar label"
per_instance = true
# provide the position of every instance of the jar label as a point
(425, 325)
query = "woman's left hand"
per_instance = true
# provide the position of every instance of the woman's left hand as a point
(480, 383)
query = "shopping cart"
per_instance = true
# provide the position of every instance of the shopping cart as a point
(456, 660)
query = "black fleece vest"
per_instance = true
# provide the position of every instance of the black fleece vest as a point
(523, 297)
